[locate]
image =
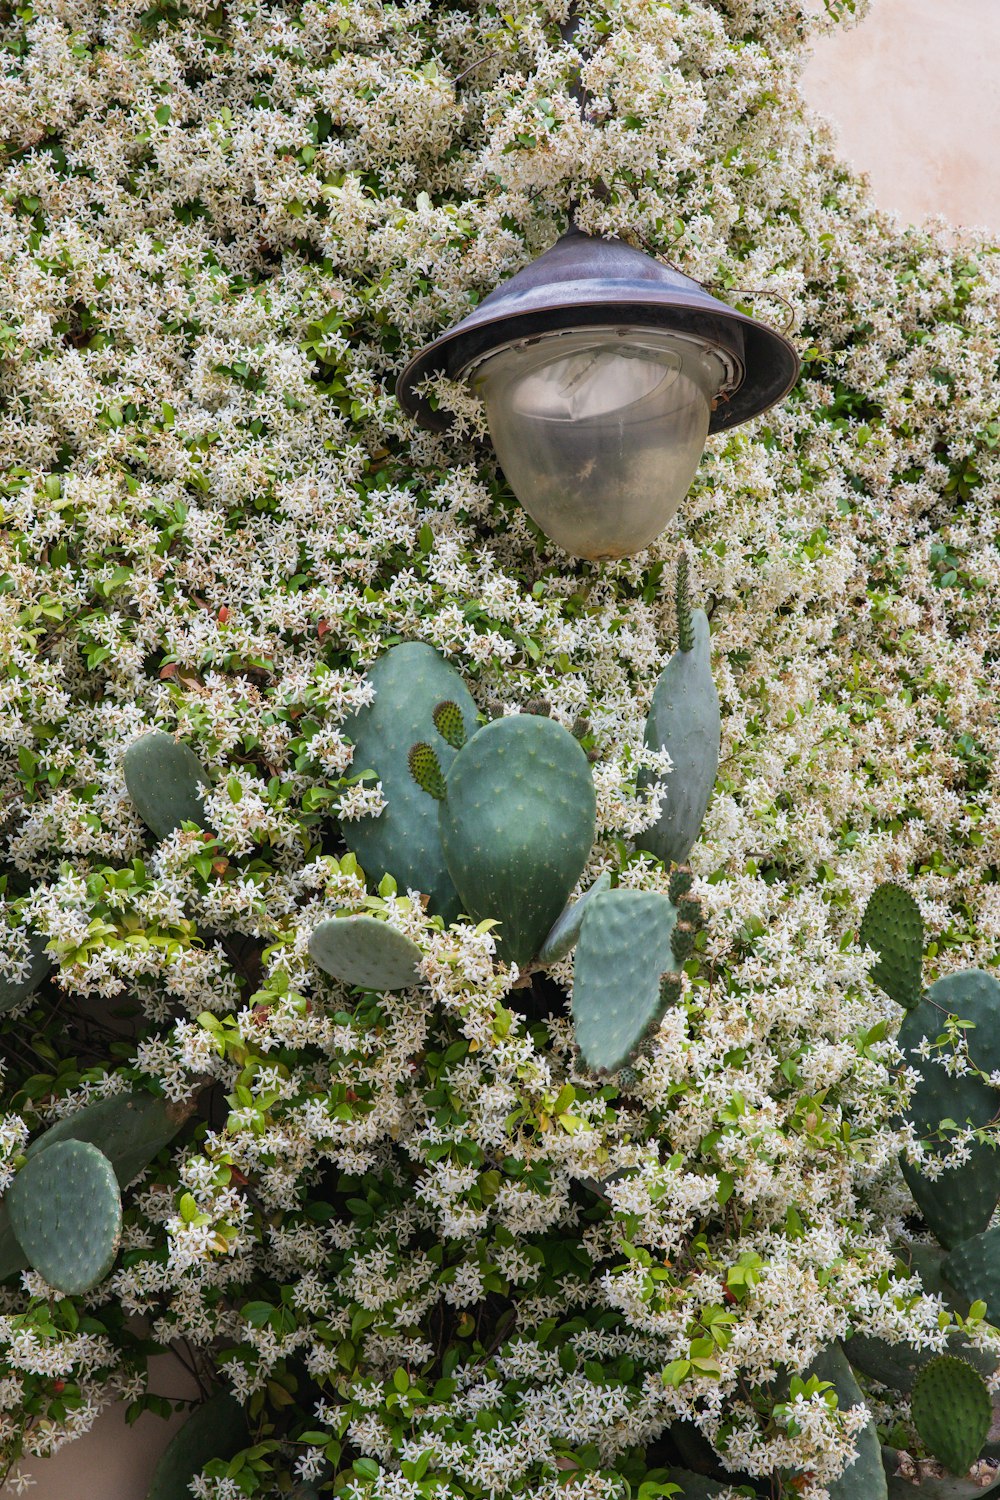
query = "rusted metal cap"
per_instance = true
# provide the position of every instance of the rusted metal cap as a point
(585, 282)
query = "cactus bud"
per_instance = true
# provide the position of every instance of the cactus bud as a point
(682, 941)
(425, 768)
(449, 723)
(685, 628)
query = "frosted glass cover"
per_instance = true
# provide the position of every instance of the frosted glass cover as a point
(600, 431)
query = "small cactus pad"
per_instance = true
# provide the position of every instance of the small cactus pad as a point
(893, 926)
(216, 1429)
(517, 826)
(623, 953)
(362, 950)
(66, 1210)
(425, 768)
(164, 779)
(681, 881)
(39, 966)
(450, 724)
(960, 1202)
(130, 1129)
(952, 1411)
(565, 934)
(404, 841)
(684, 720)
(864, 1479)
(685, 623)
(973, 1269)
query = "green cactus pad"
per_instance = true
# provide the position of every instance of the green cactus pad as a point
(517, 826)
(164, 778)
(952, 1411)
(130, 1129)
(684, 720)
(449, 723)
(404, 841)
(893, 926)
(216, 1429)
(973, 1269)
(66, 1210)
(425, 768)
(961, 1201)
(12, 1257)
(623, 952)
(566, 933)
(362, 950)
(864, 1479)
(694, 1486)
(39, 966)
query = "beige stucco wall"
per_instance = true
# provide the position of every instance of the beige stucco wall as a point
(913, 91)
(914, 94)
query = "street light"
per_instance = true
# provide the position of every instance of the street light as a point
(603, 371)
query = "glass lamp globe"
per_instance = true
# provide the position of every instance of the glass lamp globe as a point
(599, 431)
(603, 371)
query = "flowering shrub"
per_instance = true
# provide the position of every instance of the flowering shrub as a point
(225, 228)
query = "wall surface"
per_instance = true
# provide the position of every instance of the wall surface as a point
(913, 94)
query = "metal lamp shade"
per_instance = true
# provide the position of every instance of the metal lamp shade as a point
(603, 371)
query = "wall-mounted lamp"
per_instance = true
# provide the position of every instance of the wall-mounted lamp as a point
(603, 372)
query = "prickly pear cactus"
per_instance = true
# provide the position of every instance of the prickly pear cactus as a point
(12, 1257)
(130, 1129)
(66, 1211)
(566, 933)
(362, 950)
(694, 1486)
(893, 926)
(624, 965)
(926, 1479)
(39, 966)
(952, 1411)
(960, 1202)
(897, 1365)
(404, 840)
(684, 720)
(864, 1479)
(164, 778)
(216, 1429)
(973, 1269)
(517, 823)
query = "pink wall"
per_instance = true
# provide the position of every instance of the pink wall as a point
(914, 95)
